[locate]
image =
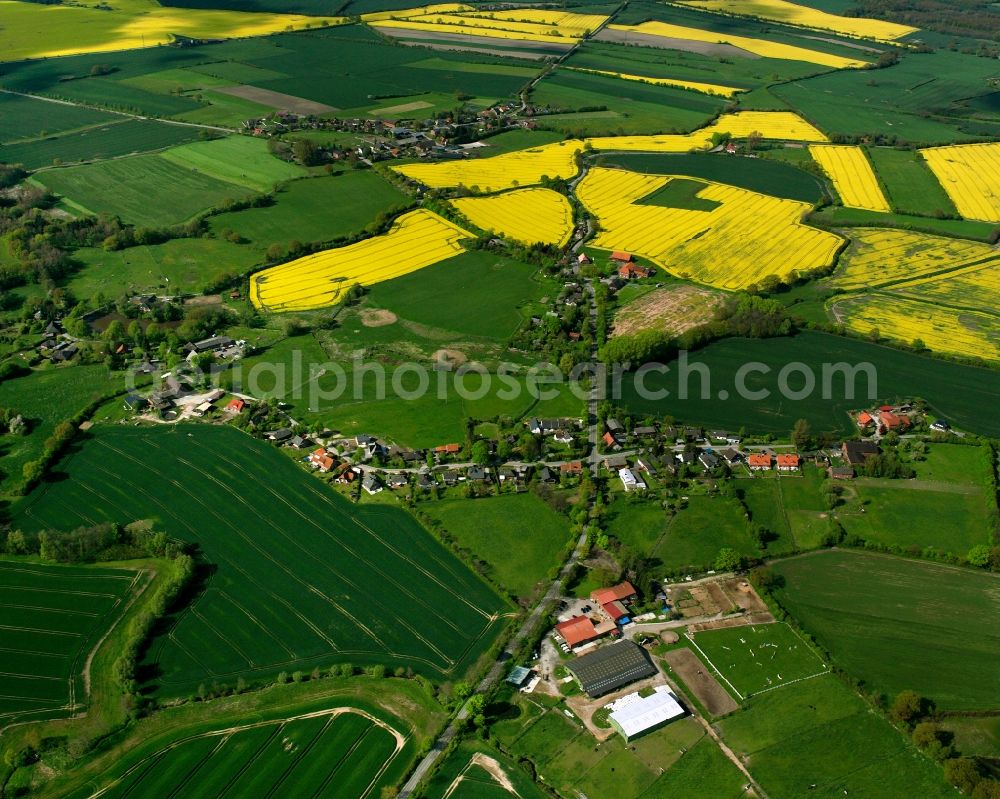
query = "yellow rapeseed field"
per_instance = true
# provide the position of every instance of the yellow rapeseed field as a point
(770, 124)
(531, 216)
(940, 328)
(747, 238)
(705, 88)
(970, 173)
(407, 13)
(879, 257)
(761, 47)
(31, 30)
(806, 17)
(852, 176)
(533, 25)
(417, 239)
(499, 172)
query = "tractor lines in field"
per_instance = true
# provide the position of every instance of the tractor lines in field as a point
(57, 611)
(147, 763)
(226, 525)
(256, 622)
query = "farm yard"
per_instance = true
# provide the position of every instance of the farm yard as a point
(531, 216)
(901, 624)
(53, 616)
(686, 242)
(266, 608)
(415, 240)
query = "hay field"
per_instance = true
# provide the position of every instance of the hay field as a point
(530, 216)
(674, 309)
(417, 239)
(852, 176)
(748, 237)
(302, 578)
(970, 174)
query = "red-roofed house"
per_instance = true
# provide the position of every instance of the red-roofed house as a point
(885, 408)
(609, 440)
(788, 463)
(617, 593)
(621, 255)
(891, 421)
(578, 630)
(630, 270)
(616, 610)
(448, 449)
(758, 460)
(236, 405)
(320, 459)
(571, 468)
(864, 419)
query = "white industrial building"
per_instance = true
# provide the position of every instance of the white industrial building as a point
(635, 715)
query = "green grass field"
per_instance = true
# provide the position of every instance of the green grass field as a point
(791, 507)
(818, 739)
(758, 658)
(303, 578)
(566, 758)
(838, 216)
(178, 265)
(518, 535)
(963, 394)
(45, 398)
(900, 624)
(123, 188)
(316, 210)
(910, 185)
(474, 781)
(53, 616)
(242, 160)
(116, 138)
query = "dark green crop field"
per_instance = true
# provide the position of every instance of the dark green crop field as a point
(51, 617)
(303, 578)
(964, 394)
(28, 118)
(901, 624)
(757, 174)
(120, 137)
(338, 753)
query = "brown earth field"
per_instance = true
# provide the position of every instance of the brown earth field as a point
(696, 677)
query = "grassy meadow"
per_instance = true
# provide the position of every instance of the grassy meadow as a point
(900, 624)
(517, 535)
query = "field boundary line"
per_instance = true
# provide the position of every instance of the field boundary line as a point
(712, 665)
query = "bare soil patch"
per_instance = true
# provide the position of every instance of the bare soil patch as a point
(671, 43)
(377, 317)
(277, 100)
(745, 620)
(450, 357)
(669, 637)
(204, 299)
(674, 310)
(700, 682)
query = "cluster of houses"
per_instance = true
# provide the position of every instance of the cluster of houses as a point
(222, 347)
(560, 430)
(886, 419)
(57, 345)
